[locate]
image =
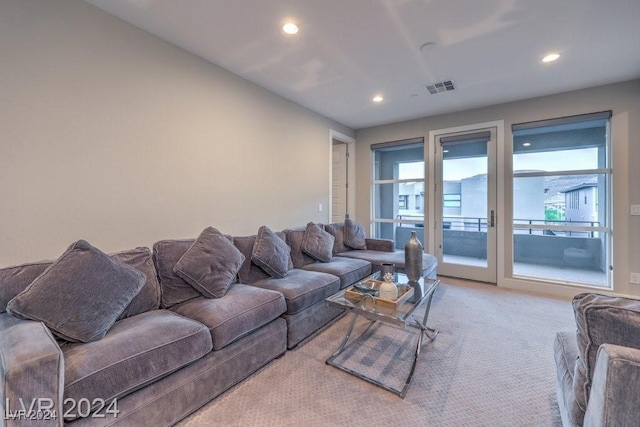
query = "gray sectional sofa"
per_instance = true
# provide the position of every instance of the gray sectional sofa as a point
(187, 320)
(598, 365)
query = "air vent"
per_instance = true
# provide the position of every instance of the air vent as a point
(444, 86)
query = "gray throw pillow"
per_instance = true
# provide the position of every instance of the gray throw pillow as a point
(211, 264)
(80, 296)
(354, 236)
(317, 243)
(271, 253)
(14, 280)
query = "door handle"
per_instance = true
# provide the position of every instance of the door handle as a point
(493, 219)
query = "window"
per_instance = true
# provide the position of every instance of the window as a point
(561, 174)
(452, 200)
(398, 190)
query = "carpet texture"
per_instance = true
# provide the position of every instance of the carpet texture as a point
(491, 365)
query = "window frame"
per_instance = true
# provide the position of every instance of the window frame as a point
(603, 171)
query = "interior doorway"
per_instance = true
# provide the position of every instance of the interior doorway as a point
(339, 181)
(342, 186)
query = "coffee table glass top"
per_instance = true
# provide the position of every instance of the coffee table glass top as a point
(388, 313)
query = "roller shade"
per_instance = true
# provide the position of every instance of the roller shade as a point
(601, 115)
(395, 144)
(467, 137)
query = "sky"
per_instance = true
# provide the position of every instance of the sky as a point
(457, 169)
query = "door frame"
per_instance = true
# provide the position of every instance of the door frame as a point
(351, 172)
(499, 189)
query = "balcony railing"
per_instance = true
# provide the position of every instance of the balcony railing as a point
(450, 222)
(480, 224)
(467, 237)
(560, 223)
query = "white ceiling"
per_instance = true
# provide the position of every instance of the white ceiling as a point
(348, 50)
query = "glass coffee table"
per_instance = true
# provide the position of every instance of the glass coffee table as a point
(400, 314)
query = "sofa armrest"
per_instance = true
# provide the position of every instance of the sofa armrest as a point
(31, 374)
(615, 391)
(382, 245)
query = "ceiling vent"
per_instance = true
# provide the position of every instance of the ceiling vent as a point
(444, 86)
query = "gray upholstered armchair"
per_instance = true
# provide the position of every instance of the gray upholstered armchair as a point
(598, 366)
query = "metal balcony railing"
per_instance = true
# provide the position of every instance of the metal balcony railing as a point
(480, 224)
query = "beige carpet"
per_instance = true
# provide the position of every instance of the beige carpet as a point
(491, 365)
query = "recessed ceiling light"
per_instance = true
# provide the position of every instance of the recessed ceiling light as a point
(290, 28)
(526, 144)
(377, 98)
(551, 57)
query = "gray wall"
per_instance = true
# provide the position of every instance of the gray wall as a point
(111, 135)
(622, 98)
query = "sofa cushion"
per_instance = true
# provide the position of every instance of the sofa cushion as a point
(317, 243)
(16, 279)
(337, 231)
(211, 264)
(354, 236)
(135, 352)
(302, 289)
(242, 310)
(294, 238)
(349, 270)
(382, 245)
(249, 271)
(601, 319)
(271, 253)
(166, 253)
(149, 296)
(80, 296)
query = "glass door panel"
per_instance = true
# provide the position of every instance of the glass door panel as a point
(465, 205)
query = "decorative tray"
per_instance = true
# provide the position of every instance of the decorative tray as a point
(371, 287)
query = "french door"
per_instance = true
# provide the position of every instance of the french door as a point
(465, 205)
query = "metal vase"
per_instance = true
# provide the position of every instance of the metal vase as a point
(413, 258)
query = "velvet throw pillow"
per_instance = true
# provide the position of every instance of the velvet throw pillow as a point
(14, 280)
(271, 253)
(211, 264)
(317, 243)
(354, 236)
(80, 296)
